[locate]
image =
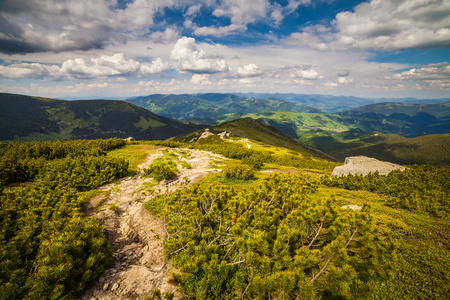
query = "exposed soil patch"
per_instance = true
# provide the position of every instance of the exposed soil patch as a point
(136, 236)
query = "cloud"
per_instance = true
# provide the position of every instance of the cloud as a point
(193, 10)
(426, 72)
(191, 59)
(427, 76)
(169, 35)
(104, 66)
(343, 73)
(345, 80)
(381, 26)
(28, 70)
(395, 25)
(217, 31)
(250, 70)
(100, 67)
(242, 12)
(157, 66)
(314, 37)
(53, 25)
(201, 79)
(307, 72)
(34, 25)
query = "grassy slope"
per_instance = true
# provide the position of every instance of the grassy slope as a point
(431, 149)
(252, 129)
(28, 118)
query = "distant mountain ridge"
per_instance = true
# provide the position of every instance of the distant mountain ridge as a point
(213, 108)
(331, 133)
(411, 120)
(332, 104)
(27, 118)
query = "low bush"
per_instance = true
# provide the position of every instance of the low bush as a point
(238, 171)
(160, 172)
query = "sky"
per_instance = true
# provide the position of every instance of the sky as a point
(125, 48)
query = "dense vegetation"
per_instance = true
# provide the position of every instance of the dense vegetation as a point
(422, 188)
(237, 234)
(25, 118)
(48, 248)
(410, 209)
(271, 241)
(430, 149)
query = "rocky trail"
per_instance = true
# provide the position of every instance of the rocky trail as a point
(136, 236)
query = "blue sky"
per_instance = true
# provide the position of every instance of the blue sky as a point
(110, 48)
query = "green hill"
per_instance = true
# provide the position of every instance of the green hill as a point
(212, 108)
(430, 149)
(25, 118)
(409, 120)
(254, 130)
(332, 104)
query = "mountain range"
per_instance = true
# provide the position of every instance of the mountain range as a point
(27, 118)
(375, 129)
(332, 104)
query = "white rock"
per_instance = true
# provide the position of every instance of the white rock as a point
(363, 165)
(354, 207)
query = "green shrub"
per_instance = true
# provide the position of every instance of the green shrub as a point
(271, 242)
(256, 161)
(160, 172)
(238, 171)
(48, 248)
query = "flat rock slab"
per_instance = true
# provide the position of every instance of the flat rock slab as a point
(363, 165)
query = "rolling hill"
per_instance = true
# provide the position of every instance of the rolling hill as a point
(254, 130)
(332, 133)
(412, 119)
(213, 108)
(332, 104)
(25, 118)
(409, 120)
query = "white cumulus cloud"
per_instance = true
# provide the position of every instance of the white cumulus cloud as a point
(427, 76)
(395, 25)
(157, 66)
(191, 59)
(103, 66)
(427, 72)
(249, 70)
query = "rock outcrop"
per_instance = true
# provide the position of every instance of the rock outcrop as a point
(363, 165)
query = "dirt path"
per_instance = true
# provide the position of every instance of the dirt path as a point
(136, 236)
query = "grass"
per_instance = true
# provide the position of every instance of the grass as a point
(421, 270)
(135, 154)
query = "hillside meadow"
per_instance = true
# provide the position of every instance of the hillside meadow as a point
(270, 225)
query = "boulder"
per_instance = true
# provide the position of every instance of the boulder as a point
(363, 165)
